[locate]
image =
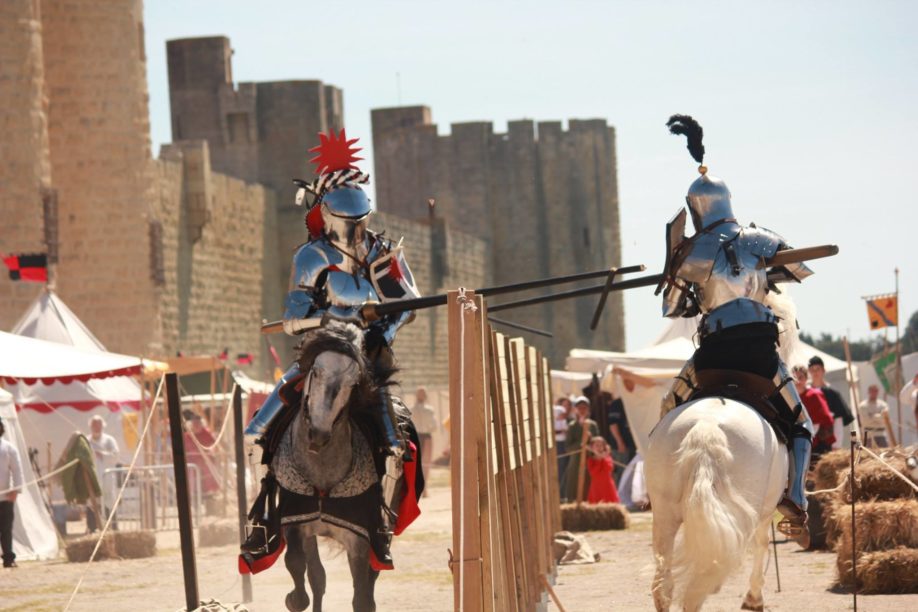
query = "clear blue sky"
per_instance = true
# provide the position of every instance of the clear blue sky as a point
(810, 109)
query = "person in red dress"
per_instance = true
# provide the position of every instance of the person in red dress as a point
(599, 464)
(818, 408)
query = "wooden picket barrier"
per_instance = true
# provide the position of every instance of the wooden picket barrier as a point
(505, 495)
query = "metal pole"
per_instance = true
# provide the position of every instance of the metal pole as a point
(899, 381)
(180, 465)
(774, 544)
(853, 525)
(241, 499)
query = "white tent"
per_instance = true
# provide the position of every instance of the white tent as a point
(641, 378)
(33, 531)
(868, 376)
(59, 384)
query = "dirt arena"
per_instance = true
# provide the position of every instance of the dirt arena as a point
(620, 581)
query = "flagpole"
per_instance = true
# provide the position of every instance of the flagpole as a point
(899, 381)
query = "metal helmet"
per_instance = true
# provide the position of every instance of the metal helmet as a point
(345, 213)
(708, 200)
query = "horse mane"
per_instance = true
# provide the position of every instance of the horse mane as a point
(348, 340)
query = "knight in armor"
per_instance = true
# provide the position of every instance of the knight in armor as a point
(341, 268)
(719, 273)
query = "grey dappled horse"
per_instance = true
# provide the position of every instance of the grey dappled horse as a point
(325, 449)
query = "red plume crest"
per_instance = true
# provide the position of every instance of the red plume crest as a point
(335, 153)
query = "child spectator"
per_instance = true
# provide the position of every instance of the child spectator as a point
(599, 464)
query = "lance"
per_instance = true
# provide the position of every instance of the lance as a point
(374, 311)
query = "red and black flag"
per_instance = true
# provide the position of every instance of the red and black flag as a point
(29, 268)
(244, 358)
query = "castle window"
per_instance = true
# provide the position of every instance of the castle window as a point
(238, 126)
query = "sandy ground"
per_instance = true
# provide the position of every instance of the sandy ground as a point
(620, 581)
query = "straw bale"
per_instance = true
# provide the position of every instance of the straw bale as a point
(594, 517)
(822, 520)
(79, 549)
(880, 526)
(828, 469)
(135, 544)
(218, 532)
(875, 481)
(887, 571)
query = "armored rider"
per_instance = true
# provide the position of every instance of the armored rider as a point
(342, 267)
(719, 273)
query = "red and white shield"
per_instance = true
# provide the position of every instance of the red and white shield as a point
(392, 278)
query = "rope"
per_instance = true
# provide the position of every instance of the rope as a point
(37, 480)
(466, 306)
(226, 420)
(111, 516)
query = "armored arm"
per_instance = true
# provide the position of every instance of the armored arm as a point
(307, 303)
(765, 244)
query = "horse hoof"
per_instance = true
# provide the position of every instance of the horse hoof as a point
(757, 607)
(295, 603)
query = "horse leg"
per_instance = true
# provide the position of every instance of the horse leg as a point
(315, 572)
(297, 600)
(358, 557)
(665, 526)
(754, 599)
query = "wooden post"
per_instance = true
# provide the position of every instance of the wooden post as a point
(241, 497)
(467, 399)
(852, 387)
(581, 472)
(180, 465)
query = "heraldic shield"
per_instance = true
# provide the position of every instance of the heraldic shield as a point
(675, 236)
(392, 278)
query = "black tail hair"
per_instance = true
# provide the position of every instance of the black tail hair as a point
(688, 127)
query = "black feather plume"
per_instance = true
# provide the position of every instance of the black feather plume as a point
(688, 127)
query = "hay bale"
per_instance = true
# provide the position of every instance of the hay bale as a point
(875, 481)
(218, 532)
(828, 469)
(79, 549)
(594, 517)
(135, 544)
(880, 526)
(887, 571)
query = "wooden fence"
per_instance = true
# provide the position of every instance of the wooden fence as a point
(504, 469)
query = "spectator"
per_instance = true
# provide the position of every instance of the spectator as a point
(105, 454)
(599, 465)
(562, 412)
(816, 406)
(201, 456)
(623, 447)
(908, 400)
(837, 404)
(425, 421)
(580, 430)
(10, 482)
(871, 412)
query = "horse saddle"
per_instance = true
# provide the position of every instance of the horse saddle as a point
(758, 392)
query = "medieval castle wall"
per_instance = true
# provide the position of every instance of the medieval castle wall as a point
(189, 252)
(544, 199)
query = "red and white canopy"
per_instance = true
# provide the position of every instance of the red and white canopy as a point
(31, 361)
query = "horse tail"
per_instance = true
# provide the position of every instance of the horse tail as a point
(717, 521)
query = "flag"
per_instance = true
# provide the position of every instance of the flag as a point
(885, 366)
(244, 359)
(30, 268)
(883, 311)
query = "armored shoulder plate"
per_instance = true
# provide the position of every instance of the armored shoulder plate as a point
(310, 261)
(760, 242)
(701, 250)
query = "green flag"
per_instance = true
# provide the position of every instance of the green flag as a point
(885, 366)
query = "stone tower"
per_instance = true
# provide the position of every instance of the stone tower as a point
(25, 157)
(259, 132)
(544, 199)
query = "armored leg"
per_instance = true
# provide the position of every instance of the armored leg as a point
(386, 425)
(794, 504)
(683, 387)
(272, 406)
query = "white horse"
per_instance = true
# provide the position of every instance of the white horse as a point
(715, 468)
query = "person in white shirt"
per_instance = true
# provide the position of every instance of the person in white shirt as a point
(425, 422)
(107, 454)
(908, 399)
(562, 412)
(10, 483)
(872, 410)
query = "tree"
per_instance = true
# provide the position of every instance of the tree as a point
(863, 350)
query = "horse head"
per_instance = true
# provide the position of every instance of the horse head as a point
(339, 380)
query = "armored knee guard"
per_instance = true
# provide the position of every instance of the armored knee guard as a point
(684, 385)
(384, 415)
(272, 406)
